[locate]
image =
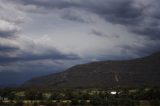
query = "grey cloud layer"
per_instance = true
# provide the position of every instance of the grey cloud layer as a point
(8, 29)
(31, 57)
(10, 19)
(12, 47)
(139, 16)
(5, 48)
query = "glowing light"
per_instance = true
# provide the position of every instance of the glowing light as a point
(113, 92)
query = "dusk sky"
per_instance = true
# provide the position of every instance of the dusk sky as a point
(38, 37)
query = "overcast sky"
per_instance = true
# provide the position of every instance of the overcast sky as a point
(42, 36)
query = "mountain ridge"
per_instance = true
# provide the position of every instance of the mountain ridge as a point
(135, 72)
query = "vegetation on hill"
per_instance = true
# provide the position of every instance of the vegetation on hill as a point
(136, 72)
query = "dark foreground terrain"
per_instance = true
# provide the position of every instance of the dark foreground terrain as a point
(144, 96)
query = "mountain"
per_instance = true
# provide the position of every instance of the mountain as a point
(136, 72)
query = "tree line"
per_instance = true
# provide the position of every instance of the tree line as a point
(123, 96)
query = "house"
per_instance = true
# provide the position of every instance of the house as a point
(113, 92)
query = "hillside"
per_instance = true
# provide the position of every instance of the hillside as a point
(136, 72)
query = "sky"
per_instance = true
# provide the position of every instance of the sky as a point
(38, 37)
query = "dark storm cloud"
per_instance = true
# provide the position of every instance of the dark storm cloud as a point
(8, 33)
(60, 4)
(140, 50)
(152, 32)
(101, 34)
(5, 48)
(73, 17)
(98, 33)
(55, 55)
(116, 11)
(122, 12)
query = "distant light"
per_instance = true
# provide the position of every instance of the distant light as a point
(113, 92)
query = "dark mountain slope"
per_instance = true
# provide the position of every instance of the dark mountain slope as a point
(136, 72)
